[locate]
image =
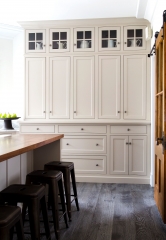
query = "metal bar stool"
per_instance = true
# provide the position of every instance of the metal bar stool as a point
(54, 181)
(34, 197)
(10, 216)
(67, 168)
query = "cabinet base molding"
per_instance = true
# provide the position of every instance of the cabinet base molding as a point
(107, 179)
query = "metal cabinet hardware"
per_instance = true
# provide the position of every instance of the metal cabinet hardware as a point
(127, 143)
(50, 45)
(50, 112)
(67, 143)
(128, 129)
(97, 144)
(82, 129)
(74, 111)
(37, 128)
(118, 111)
(97, 165)
(125, 111)
(44, 111)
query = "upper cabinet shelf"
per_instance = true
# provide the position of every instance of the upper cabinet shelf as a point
(59, 40)
(83, 39)
(109, 38)
(35, 41)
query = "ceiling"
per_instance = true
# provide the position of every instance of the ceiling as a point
(11, 12)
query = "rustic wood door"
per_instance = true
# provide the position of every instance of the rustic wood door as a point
(160, 123)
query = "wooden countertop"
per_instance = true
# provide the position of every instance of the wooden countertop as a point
(14, 145)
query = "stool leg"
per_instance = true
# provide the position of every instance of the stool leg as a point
(33, 210)
(45, 217)
(54, 204)
(66, 177)
(4, 234)
(74, 188)
(61, 192)
(19, 230)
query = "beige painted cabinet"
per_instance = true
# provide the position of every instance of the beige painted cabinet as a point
(84, 40)
(59, 40)
(35, 41)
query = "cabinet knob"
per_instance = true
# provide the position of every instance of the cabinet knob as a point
(125, 42)
(118, 42)
(75, 44)
(125, 111)
(50, 112)
(50, 45)
(128, 129)
(97, 144)
(44, 111)
(67, 143)
(130, 143)
(118, 111)
(44, 45)
(82, 129)
(37, 128)
(74, 111)
(127, 143)
(97, 165)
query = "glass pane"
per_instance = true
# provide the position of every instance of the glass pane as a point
(89, 44)
(130, 33)
(138, 42)
(55, 36)
(105, 34)
(55, 45)
(84, 44)
(130, 42)
(79, 44)
(39, 36)
(63, 35)
(104, 43)
(63, 45)
(31, 45)
(88, 35)
(138, 32)
(79, 35)
(39, 45)
(31, 36)
(112, 43)
(112, 33)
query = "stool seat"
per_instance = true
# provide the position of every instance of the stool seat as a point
(10, 216)
(67, 168)
(34, 197)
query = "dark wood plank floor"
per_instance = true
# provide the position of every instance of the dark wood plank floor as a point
(113, 212)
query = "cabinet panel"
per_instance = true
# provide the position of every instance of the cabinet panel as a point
(128, 129)
(59, 87)
(83, 87)
(135, 87)
(81, 129)
(137, 155)
(119, 155)
(109, 87)
(83, 39)
(87, 164)
(83, 144)
(35, 41)
(59, 40)
(35, 87)
(134, 38)
(109, 38)
(37, 129)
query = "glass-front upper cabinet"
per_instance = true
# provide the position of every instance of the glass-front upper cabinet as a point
(84, 39)
(35, 41)
(109, 38)
(134, 38)
(59, 40)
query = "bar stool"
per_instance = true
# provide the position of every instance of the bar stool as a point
(10, 216)
(33, 196)
(67, 168)
(54, 181)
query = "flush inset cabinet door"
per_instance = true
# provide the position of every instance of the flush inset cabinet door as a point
(128, 155)
(135, 87)
(59, 87)
(35, 88)
(83, 39)
(59, 40)
(35, 41)
(109, 87)
(109, 38)
(83, 87)
(134, 38)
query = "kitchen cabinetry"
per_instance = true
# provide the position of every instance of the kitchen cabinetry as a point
(35, 41)
(59, 40)
(84, 39)
(109, 38)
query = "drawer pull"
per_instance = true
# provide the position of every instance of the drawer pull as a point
(97, 144)
(127, 143)
(82, 129)
(125, 111)
(130, 143)
(67, 143)
(97, 165)
(37, 128)
(128, 129)
(118, 111)
(74, 111)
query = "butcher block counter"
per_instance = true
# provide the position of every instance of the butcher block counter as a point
(22, 153)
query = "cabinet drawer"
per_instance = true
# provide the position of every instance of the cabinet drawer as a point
(87, 164)
(37, 129)
(84, 145)
(128, 129)
(81, 129)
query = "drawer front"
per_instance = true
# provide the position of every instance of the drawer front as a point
(87, 164)
(128, 129)
(84, 145)
(37, 129)
(82, 129)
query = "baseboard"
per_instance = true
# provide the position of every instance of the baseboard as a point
(112, 179)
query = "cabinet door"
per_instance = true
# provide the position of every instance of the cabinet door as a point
(134, 38)
(35, 88)
(109, 87)
(119, 154)
(135, 87)
(59, 40)
(35, 41)
(59, 87)
(83, 39)
(83, 87)
(109, 38)
(137, 155)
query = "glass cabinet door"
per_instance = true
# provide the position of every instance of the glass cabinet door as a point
(134, 38)
(59, 40)
(35, 40)
(109, 38)
(84, 39)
